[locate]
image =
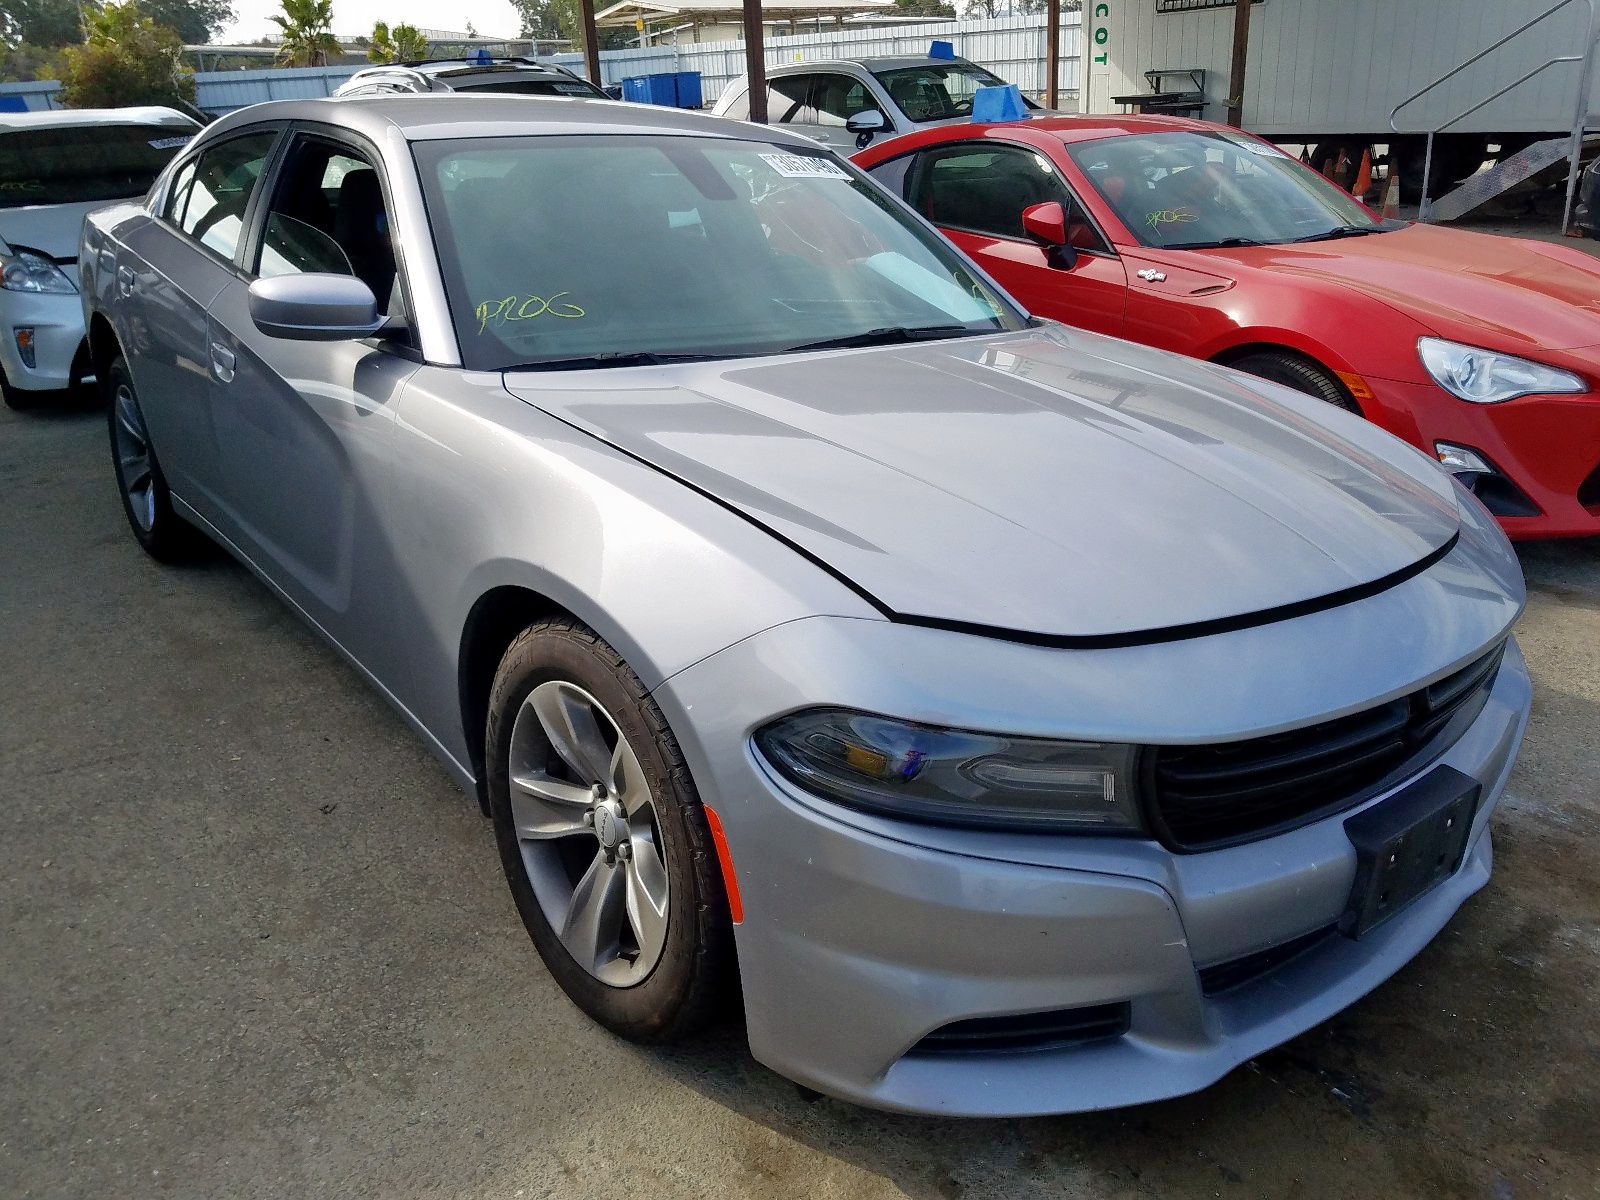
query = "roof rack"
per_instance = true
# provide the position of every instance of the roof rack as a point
(471, 61)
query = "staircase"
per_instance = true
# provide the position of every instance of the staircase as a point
(1511, 171)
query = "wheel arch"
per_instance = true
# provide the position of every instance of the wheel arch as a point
(104, 345)
(493, 623)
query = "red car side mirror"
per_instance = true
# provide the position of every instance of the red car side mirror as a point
(1047, 224)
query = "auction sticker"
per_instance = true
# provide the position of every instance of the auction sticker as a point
(805, 166)
(171, 143)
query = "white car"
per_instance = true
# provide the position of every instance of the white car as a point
(845, 103)
(54, 168)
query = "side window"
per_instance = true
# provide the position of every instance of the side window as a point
(210, 194)
(984, 188)
(328, 215)
(837, 98)
(788, 101)
(894, 173)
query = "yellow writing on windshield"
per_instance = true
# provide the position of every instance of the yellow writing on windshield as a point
(21, 185)
(525, 308)
(1170, 216)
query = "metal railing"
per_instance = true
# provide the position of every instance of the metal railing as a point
(1580, 119)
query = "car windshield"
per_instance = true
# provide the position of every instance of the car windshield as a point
(1191, 190)
(73, 164)
(536, 85)
(570, 249)
(938, 93)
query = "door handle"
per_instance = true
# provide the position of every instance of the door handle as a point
(125, 280)
(222, 362)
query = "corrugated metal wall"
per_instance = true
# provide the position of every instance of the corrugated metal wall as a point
(1013, 48)
(1339, 66)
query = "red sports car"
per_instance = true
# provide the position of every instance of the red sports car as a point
(1198, 238)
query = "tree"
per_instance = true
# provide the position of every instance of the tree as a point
(308, 39)
(46, 23)
(24, 63)
(399, 44)
(924, 8)
(196, 21)
(127, 59)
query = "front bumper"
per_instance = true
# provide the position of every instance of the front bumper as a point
(862, 935)
(1547, 446)
(61, 355)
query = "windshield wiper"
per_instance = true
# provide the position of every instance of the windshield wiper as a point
(1342, 231)
(1219, 244)
(612, 358)
(887, 336)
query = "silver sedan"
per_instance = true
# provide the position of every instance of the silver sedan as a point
(1008, 719)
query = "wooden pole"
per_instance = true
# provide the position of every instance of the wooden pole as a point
(1052, 56)
(755, 60)
(1241, 42)
(591, 41)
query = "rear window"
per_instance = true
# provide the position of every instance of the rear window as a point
(75, 164)
(537, 86)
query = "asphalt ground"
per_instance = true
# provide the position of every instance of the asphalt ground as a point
(256, 944)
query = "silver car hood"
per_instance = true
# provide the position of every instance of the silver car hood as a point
(1047, 483)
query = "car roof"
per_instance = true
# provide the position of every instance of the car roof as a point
(481, 115)
(1070, 127)
(66, 118)
(879, 62)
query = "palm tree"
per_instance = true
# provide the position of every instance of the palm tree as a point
(308, 40)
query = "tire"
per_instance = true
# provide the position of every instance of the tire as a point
(594, 910)
(146, 500)
(1301, 374)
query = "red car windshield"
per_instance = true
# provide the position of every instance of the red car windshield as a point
(1190, 190)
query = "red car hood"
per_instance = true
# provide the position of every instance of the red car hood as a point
(1505, 293)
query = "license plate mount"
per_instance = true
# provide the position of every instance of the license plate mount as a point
(1408, 845)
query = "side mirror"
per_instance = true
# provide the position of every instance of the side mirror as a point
(1047, 224)
(314, 308)
(866, 123)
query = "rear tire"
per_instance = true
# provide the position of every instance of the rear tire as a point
(1301, 374)
(634, 924)
(146, 500)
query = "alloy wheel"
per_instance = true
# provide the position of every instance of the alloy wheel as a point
(589, 833)
(133, 458)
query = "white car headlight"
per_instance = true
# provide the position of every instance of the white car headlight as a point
(28, 271)
(955, 776)
(1487, 377)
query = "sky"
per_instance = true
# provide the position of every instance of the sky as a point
(493, 18)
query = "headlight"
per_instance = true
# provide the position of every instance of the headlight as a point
(955, 776)
(27, 271)
(1485, 377)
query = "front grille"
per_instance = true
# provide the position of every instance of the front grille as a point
(1202, 797)
(1029, 1031)
(1236, 972)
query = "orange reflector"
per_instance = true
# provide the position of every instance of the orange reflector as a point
(729, 881)
(1357, 385)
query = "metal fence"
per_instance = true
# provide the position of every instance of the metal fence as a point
(1012, 47)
